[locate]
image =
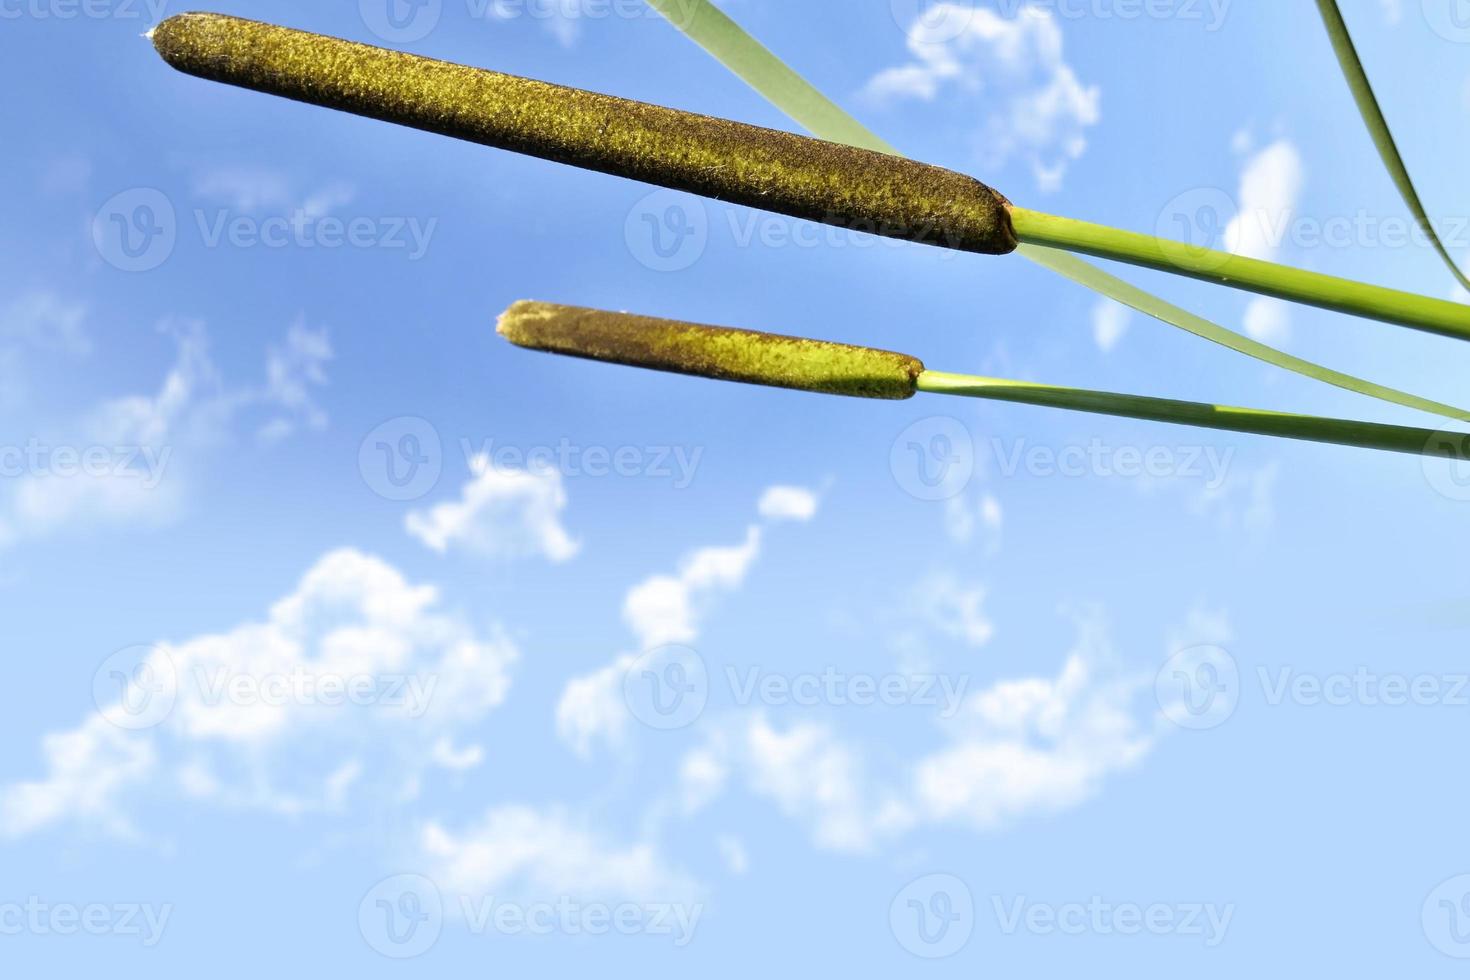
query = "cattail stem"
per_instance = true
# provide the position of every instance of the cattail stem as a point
(1255, 421)
(728, 354)
(1283, 282)
(764, 168)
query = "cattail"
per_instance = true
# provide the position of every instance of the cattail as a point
(769, 169)
(729, 354)
(763, 168)
(711, 352)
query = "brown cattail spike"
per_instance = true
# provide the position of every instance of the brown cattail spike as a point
(762, 168)
(711, 352)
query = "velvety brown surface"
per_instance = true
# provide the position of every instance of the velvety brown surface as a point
(763, 168)
(711, 352)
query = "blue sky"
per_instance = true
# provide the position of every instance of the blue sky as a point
(345, 637)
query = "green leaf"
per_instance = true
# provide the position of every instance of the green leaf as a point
(752, 62)
(1372, 113)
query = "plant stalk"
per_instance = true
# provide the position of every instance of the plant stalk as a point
(1255, 421)
(1425, 313)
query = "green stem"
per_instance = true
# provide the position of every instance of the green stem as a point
(1283, 282)
(1311, 428)
(758, 67)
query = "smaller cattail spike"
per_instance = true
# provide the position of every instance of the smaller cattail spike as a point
(724, 353)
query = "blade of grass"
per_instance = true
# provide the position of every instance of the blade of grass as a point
(758, 67)
(1373, 118)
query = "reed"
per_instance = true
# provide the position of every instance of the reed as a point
(764, 168)
(780, 361)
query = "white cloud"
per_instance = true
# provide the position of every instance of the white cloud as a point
(788, 503)
(252, 190)
(667, 608)
(664, 609)
(1268, 320)
(954, 609)
(1393, 12)
(45, 320)
(661, 609)
(135, 453)
(1109, 323)
(737, 861)
(1030, 100)
(963, 517)
(541, 854)
(1022, 746)
(503, 513)
(275, 713)
(1269, 187)
(1037, 745)
(1244, 501)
